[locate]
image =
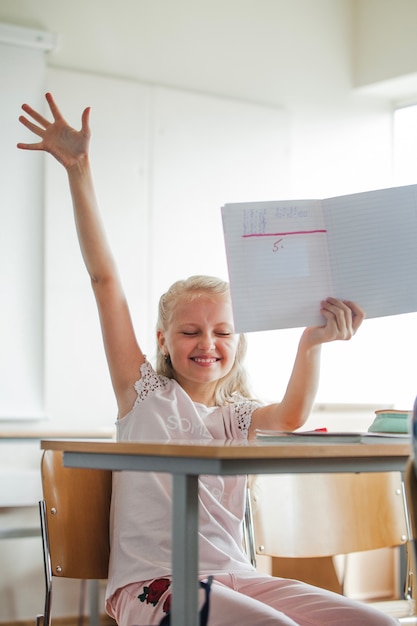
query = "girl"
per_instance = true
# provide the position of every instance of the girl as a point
(198, 391)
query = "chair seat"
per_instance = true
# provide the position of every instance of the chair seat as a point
(397, 608)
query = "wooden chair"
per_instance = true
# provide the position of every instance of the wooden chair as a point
(74, 522)
(304, 520)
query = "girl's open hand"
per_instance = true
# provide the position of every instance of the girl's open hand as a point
(343, 319)
(66, 144)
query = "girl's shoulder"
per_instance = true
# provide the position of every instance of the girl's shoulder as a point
(241, 404)
(149, 381)
(243, 409)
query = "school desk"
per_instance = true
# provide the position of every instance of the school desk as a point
(187, 460)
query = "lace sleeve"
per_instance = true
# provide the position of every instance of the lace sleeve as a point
(149, 382)
(243, 413)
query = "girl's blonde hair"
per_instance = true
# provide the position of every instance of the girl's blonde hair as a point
(232, 386)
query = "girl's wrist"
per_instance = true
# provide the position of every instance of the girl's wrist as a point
(309, 340)
(79, 166)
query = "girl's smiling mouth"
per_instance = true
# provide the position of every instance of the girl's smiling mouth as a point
(204, 360)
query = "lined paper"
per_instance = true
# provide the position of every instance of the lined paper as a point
(285, 257)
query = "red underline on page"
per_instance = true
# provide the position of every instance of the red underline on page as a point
(293, 232)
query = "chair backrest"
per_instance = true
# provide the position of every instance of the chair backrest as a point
(77, 505)
(315, 515)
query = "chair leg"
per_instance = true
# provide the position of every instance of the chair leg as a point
(249, 532)
(45, 619)
(408, 582)
(39, 620)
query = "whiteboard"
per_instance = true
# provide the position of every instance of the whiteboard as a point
(22, 75)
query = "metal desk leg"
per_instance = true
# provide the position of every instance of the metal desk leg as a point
(94, 603)
(185, 551)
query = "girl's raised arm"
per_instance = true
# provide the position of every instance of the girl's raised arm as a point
(70, 148)
(342, 320)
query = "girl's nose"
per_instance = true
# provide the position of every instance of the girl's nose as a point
(206, 342)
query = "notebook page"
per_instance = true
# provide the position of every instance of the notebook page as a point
(278, 263)
(372, 240)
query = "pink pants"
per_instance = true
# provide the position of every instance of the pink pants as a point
(250, 599)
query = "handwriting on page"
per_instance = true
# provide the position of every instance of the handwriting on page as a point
(288, 218)
(273, 249)
(284, 233)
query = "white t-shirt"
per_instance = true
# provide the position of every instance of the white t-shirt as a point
(140, 526)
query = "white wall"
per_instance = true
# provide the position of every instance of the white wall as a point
(326, 139)
(385, 46)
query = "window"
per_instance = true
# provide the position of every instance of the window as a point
(377, 368)
(405, 145)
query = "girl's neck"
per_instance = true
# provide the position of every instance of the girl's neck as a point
(202, 394)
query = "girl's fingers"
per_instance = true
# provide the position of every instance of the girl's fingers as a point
(56, 113)
(85, 120)
(337, 319)
(31, 126)
(40, 119)
(346, 315)
(358, 314)
(30, 146)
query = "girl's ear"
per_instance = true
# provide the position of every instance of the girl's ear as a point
(161, 342)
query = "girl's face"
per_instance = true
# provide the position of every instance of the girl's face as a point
(201, 343)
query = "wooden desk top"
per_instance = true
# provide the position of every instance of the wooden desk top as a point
(214, 449)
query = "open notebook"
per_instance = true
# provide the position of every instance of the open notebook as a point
(285, 257)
